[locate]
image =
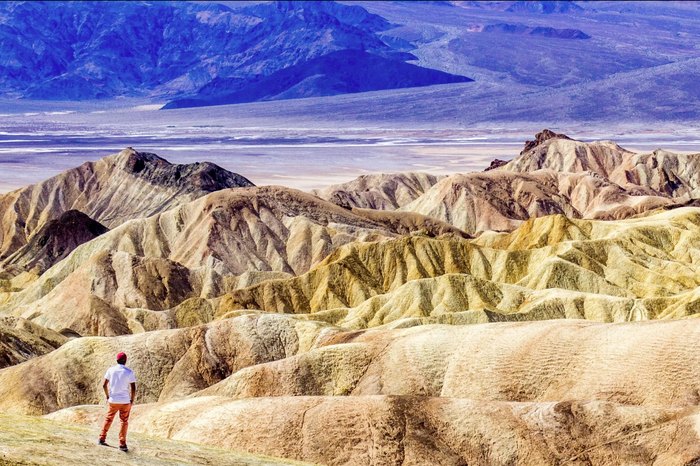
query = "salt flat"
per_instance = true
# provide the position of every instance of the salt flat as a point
(268, 144)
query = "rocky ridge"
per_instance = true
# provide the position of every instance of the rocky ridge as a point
(122, 187)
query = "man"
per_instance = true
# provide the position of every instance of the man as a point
(120, 389)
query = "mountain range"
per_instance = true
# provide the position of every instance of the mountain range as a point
(527, 60)
(203, 51)
(370, 315)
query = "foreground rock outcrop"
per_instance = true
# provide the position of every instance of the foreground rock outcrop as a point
(399, 430)
(538, 392)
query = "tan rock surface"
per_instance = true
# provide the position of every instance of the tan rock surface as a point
(411, 223)
(358, 374)
(650, 364)
(382, 192)
(21, 340)
(169, 364)
(501, 200)
(28, 440)
(476, 394)
(646, 363)
(660, 172)
(424, 430)
(194, 251)
(92, 299)
(52, 243)
(554, 174)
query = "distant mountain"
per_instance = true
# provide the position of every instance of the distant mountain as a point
(522, 6)
(95, 50)
(635, 61)
(341, 72)
(541, 31)
(544, 7)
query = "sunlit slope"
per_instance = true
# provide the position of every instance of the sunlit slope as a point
(671, 174)
(550, 267)
(423, 430)
(501, 200)
(553, 174)
(533, 391)
(198, 249)
(641, 363)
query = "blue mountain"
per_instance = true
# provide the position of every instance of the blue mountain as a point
(545, 7)
(180, 50)
(342, 72)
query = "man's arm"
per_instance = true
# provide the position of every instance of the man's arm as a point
(105, 387)
(133, 392)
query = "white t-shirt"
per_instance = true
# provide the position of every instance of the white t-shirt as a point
(120, 379)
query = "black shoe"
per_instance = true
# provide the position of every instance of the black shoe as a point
(102, 442)
(123, 448)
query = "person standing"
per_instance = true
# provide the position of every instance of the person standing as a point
(120, 389)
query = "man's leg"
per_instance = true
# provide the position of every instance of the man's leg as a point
(111, 412)
(124, 411)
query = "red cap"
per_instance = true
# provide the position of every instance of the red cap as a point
(121, 356)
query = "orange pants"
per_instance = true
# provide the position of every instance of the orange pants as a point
(124, 410)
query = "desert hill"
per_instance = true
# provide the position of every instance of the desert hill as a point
(22, 340)
(501, 200)
(543, 382)
(122, 187)
(659, 172)
(541, 312)
(423, 430)
(158, 262)
(381, 192)
(554, 174)
(53, 242)
(650, 258)
(171, 363)
(199, 249)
